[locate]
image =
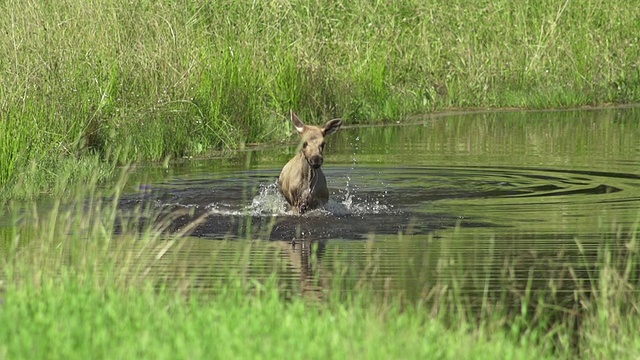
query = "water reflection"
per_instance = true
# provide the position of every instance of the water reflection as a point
(464, 196)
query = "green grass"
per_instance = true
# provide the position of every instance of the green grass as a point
(76, 290)
(131, 81)
(71, 288)
(72, 319)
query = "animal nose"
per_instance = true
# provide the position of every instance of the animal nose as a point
(315, 161)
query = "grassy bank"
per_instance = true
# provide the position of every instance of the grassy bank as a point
(70, 288)
(88, 84)
(71, 320)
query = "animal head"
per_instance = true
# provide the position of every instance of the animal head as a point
(313, 138)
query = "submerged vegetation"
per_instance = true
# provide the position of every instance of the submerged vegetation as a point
(87, 85)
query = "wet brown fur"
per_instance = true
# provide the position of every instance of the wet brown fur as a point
(301, 181)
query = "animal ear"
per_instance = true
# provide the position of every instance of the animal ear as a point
(331, 126)
(299, 125)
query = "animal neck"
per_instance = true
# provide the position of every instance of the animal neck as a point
(312, 178)
(308, 172)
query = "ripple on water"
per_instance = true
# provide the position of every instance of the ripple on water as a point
(465, 207)
(386, 200)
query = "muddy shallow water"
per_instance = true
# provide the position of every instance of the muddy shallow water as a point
(472, 191)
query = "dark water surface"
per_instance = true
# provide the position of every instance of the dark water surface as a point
(414, 206)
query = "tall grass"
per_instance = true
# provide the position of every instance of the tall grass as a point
(147, 80)
(76, 290)
(82, 321)
(81, 279)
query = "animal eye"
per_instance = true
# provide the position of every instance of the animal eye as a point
(304, 146)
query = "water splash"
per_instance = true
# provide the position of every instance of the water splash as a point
(269, 202)
(350, 202)
(353, 204)
(224, 209)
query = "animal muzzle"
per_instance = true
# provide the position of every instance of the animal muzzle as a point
(315, 161)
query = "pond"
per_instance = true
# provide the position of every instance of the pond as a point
(493, 200)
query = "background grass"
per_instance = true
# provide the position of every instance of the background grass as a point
(88, 83)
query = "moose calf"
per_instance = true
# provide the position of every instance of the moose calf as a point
(301, 181)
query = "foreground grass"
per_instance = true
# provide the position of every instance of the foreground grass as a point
(87, 84)
(70, 288)
(71, 319)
